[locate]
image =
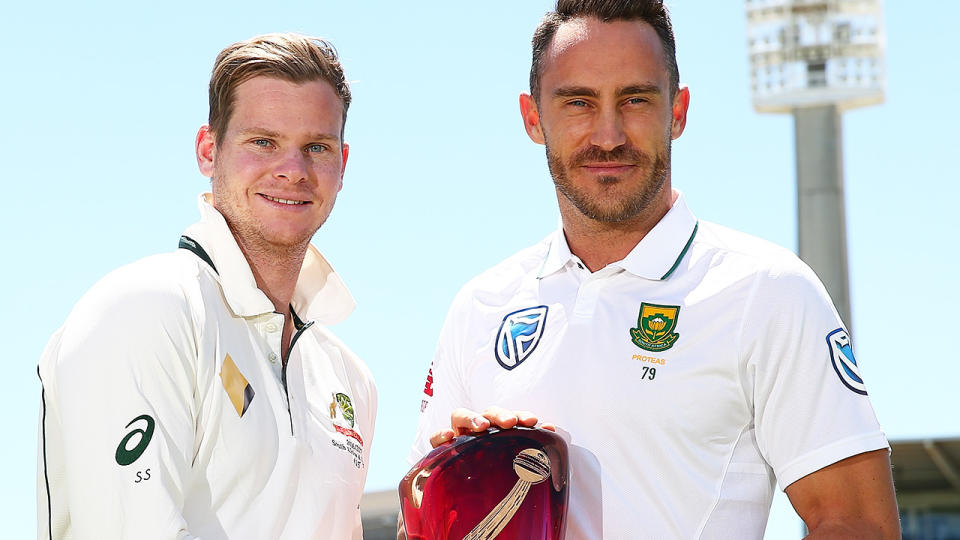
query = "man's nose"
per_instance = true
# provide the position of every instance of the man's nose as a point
(292, 166)
(607, 132)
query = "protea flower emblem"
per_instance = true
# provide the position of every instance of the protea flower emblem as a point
(655, 326)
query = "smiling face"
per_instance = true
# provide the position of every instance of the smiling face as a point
(277, 172)
(606, 115)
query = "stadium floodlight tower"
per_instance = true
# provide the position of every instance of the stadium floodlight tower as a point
(815, 59)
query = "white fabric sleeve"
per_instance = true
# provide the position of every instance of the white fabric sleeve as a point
(806, 417)
(445, 389)
(120, 388)
(371, 408)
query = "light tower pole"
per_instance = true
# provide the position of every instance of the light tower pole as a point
(815, 59)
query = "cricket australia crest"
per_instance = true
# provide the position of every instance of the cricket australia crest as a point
(519, 335)
(343, 416)
(655, 327)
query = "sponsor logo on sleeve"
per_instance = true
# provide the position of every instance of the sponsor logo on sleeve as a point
(135, 443)
(428, 390)
(655, 327)
(519, 335)
(428, 387)
(238, 389)
(841, 356)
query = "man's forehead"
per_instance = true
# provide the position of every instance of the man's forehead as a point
(568, 34)
(636, 36)
(268, 105)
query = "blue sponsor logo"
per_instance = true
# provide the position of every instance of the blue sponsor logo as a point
(519, 335)
(841, 356)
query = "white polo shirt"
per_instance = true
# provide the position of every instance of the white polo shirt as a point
(686, 377)
(167, 413)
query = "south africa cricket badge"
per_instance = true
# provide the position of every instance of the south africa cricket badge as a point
(655, 327)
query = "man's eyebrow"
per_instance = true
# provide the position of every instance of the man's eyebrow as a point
(258, 131)
(583, 91)
(264, 132)
(575, 91)
(634, 89)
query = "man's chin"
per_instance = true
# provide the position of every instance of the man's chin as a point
(279, 240)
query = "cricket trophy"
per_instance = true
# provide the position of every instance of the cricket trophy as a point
(507, 484)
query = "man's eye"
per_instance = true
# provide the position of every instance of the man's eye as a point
(578, 103)
(316, 148)
(636, 100)
(261, 142)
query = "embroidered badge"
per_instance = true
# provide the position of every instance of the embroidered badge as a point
(519, 335)
(238, 389)
(655, 327)
(841, 356)
(342, 403)
(343, 416)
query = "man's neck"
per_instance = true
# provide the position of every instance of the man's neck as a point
(598, 244)
(275, 269)
(276, 272)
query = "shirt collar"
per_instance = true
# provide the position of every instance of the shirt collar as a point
(319, 294)
(655, 257)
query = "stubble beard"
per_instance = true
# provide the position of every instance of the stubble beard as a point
(603, 209)
(251, 234)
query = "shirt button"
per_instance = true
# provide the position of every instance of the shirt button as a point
(272, 357)
(271, 327)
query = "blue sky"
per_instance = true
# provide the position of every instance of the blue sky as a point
(101, 104)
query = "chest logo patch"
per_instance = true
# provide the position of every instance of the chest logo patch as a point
(841, 356)
(655, 327)
(519, 335)
(343, 416)
(238, 389)
(342, 402)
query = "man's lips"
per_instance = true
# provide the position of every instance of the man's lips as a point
(279, 200)
(607, 167)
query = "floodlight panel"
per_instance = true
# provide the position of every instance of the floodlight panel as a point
(815, 52)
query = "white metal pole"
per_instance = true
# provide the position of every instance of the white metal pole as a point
(821, 216)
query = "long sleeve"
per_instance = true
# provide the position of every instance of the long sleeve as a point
(119, 413)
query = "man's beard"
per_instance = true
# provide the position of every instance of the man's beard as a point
(629, 205)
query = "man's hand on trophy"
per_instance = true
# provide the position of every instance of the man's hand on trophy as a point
(463, 421)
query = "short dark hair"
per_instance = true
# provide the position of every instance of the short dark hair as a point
(652, 12)
(290, 57)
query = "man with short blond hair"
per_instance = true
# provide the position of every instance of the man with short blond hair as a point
(198, 393)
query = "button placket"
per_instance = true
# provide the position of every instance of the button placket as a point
(589, 292)
(270, 329)
(587, 297)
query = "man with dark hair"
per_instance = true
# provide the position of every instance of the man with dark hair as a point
(198, 394)
(689, 366)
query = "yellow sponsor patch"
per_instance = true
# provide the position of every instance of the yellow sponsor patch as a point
(238, 389)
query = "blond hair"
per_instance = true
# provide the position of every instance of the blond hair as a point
(288, 56)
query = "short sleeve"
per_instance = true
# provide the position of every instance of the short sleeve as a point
(810, 411)
(443, 389)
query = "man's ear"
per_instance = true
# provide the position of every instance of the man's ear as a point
(206, 148)
(344, 154)
(531, 118)
(681, 102)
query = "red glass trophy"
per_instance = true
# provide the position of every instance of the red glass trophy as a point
(507, 484)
